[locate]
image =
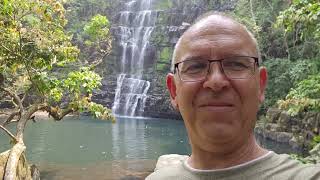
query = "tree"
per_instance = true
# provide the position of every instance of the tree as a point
(95, 40)
(259, 17)
(302, 19)
(304, 97)
(302, 23)
(37, 71)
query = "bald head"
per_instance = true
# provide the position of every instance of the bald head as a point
(214, 26)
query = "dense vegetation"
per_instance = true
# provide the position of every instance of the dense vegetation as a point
(288, 35)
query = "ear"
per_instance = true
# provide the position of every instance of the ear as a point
(263, 83)
(171, 85)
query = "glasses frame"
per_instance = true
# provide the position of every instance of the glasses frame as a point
(176, 69)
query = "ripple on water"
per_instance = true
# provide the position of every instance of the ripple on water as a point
(108, 170)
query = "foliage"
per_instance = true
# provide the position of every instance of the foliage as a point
(304, 97)
(283, 74)
(302, 16)
(163, 4)
(34, 45)
(94, 40)
(97, 28)
(32, 35)
(91, 28)
(259, 17)
(163, 65)
(302, 159)
(279, 29)
(315, 141)
(301, 22)
(79, 12)
(165, 54)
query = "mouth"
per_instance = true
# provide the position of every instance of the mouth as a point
(218, 107)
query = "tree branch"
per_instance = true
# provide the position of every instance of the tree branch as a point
(269, 5)
(58, 113)
(15, 97)
(10, 118)
(9, 133)
(5, 47)
(4, 113)
(24, 97)
(14, 103)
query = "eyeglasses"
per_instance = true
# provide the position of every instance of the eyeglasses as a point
(237, 67)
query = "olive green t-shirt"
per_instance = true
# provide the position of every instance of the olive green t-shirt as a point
(271, 166)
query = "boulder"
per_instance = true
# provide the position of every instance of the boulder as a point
(294, 143)
(284, 121)
(284, 137)
(273, 127)
(311, 120)
(273, 115)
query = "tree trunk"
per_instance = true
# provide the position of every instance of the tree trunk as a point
(11, 169)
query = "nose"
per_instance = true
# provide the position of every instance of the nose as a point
(216, 80)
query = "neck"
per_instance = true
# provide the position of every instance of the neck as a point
(203, 159)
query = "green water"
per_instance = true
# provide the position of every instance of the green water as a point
(84, 143)
(83, 148)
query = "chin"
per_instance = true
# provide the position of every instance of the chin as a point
(219, 132)
(222, 119)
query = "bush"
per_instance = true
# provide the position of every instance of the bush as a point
(304, 97)
(283, 75)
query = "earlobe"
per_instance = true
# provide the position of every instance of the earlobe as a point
(263, 83)
(172, 90)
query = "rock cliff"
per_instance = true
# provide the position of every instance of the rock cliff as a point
(298, 130)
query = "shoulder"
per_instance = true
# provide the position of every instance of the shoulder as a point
(282, 165)
(169, 173)
(169, 167)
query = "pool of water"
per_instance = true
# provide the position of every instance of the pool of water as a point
(83, 148)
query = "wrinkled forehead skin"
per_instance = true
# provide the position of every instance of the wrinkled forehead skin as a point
(212, 30)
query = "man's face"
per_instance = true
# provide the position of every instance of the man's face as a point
(217, 110)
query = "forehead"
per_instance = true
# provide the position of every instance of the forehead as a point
(216, 37)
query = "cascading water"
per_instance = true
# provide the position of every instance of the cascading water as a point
(135, 30)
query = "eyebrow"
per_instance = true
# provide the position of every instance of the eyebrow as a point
(194, 57)
(207, 58)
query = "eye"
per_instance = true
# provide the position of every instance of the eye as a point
(194, 66)
(236, 64)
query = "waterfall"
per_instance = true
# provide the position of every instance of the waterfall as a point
(135, 28)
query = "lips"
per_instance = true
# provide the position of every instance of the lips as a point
(217, 106)
(215, 103)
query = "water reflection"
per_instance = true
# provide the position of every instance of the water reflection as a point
(78, 146)
(129, 139)
(85, 140)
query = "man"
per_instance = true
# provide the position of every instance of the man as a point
(217, 84)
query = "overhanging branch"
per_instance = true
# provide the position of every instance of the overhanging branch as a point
(54, 112)
(15, 97)
(9, 133)
(58, 114)
(10, 118)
